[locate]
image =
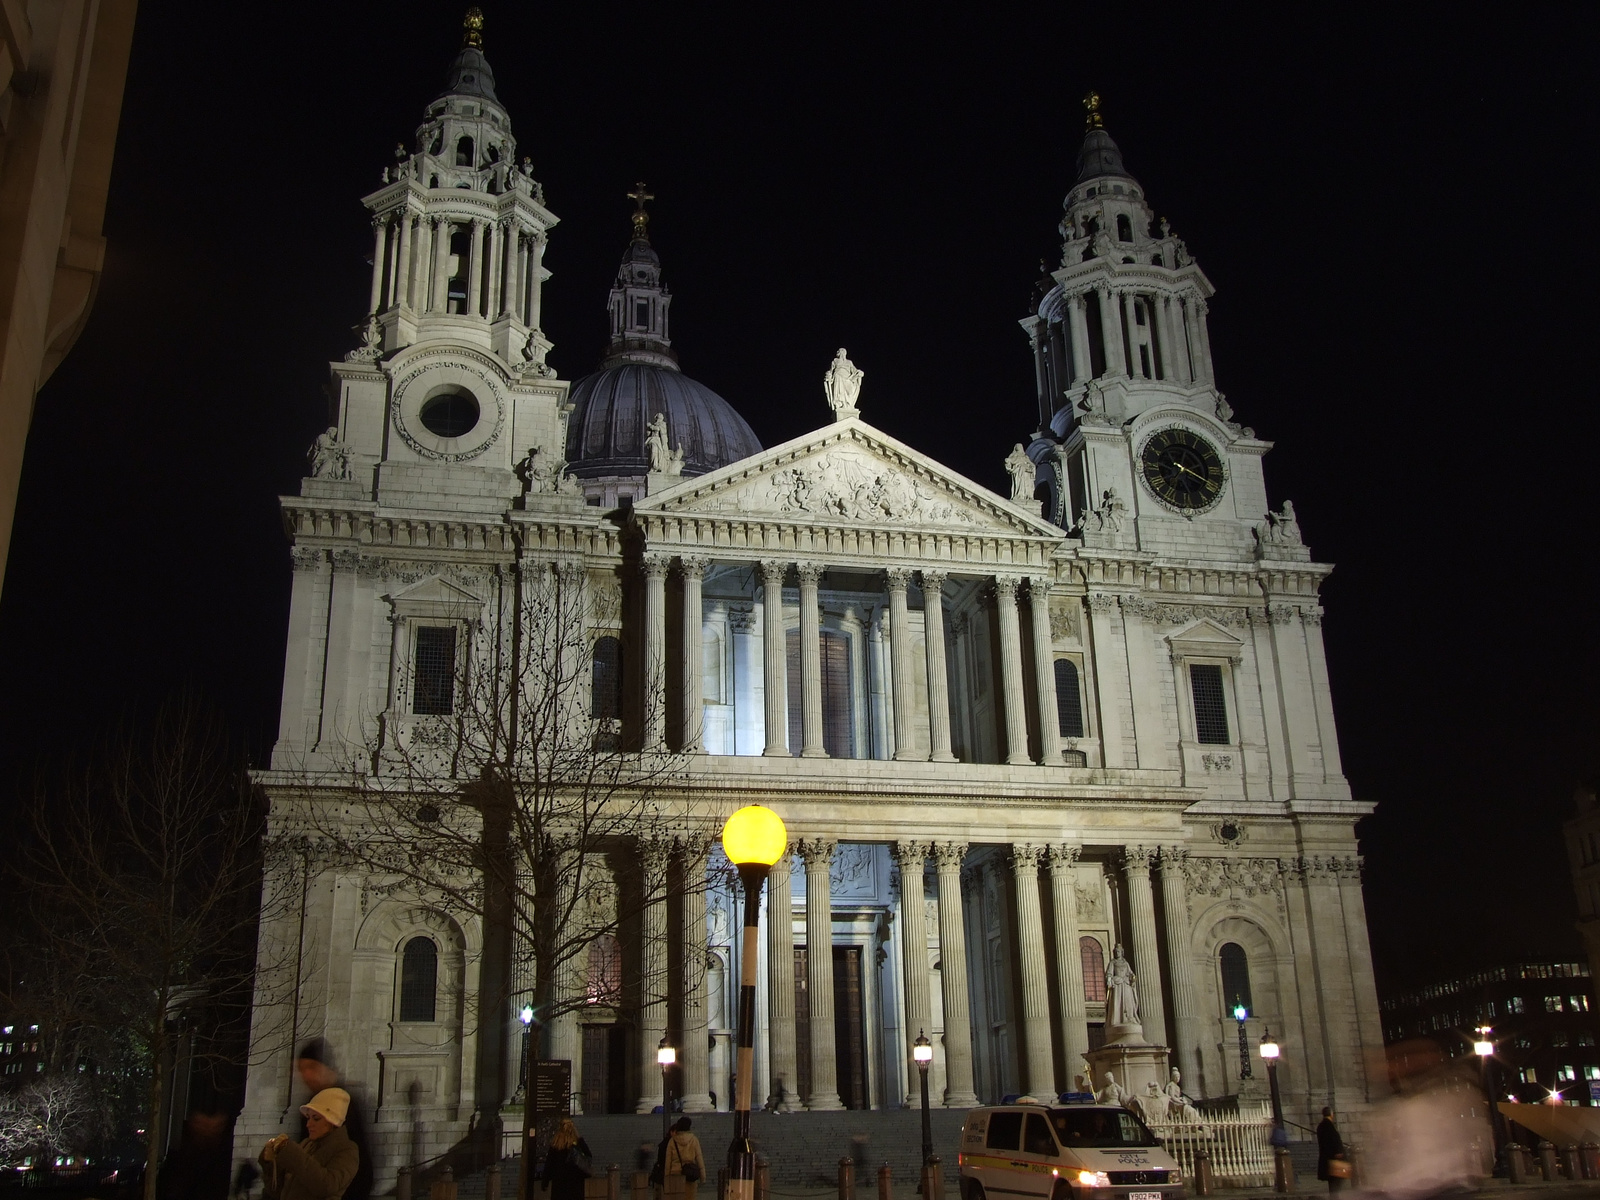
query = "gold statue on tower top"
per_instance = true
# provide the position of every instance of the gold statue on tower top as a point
(472, 29)
(1091, 105)
(641, 219)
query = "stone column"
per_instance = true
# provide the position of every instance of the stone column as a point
(497, 254)
(652, 971)
(441, 265)
(1177, 345)
(1082, 361)
(694, 715)
(914, 957)
(565, 1041)
(1044, 672)
(695, 1053)
(958, 1091)
(402, 285)
(380, 230)
(536, 281)
(1194, 322)
(654, 700)
(1069, 961)
(780, 987)
(513, 288)
(878, 699)
(1040, 1058)
(775, 659)
(819, 972)
(1186, 1030)
(1005, 603)
(1130, 313)
(810, 663)
(900, 664)
(474, 305)
(1111, 333)
(938, 678)
(1142, 951)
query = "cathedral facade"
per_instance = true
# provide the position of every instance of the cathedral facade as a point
(1009, 732)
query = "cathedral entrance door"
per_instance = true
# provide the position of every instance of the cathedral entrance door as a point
(849, 1035)
(605, 1069)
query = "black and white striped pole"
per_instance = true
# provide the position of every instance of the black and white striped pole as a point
(753, 839)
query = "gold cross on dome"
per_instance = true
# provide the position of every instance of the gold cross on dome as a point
(640, 218)
(639, 195)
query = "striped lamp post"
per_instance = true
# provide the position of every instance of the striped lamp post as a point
(753, 839)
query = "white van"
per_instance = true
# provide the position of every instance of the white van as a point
(1066, 1152)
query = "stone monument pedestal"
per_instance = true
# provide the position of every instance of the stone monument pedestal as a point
(1135, 1062)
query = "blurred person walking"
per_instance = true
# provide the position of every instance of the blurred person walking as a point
(199, 1167)
(322, 1166)
(314, 1065)
(1330, 1149)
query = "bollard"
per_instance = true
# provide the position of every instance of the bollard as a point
(722, 1183)
(1516, 1163)
(1569, 1162)
(1282, 1169)
(1547, 1162)
(763, 1179)
(1202, 1173)
(491, 1182)
(885, 1182)
(402, 1184)
(613, 1183)
(847, 1178)
(938, 1177)
(1589, 1160)
(640, 1186)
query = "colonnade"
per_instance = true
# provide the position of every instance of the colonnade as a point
(1007, 588)
(1175, 332)
(1037, 1055)
(411, 265)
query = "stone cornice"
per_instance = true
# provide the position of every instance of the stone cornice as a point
(312, 521)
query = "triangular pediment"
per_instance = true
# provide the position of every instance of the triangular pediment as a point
(437, 590)
(849, 473)
(1205, 638)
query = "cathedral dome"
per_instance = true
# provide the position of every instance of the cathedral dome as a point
(612, 409)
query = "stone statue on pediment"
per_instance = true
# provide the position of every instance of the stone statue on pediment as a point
(842, 383)
(1020, 467)
(662, 457)
(330, 457)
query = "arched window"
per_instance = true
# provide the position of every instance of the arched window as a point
(419, 980)
(1094, 970)
(464, 153)
(604, 982)
(1069, 701)
(1235, 977)
(605, 680)
(1124, 229)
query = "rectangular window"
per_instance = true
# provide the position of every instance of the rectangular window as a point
(1552, 1004)
(1514, 1005)
(1567, 1074)
(1530, 1075)
(641, 314)
(1577, 1004)
(434, 689)
(1591, 1073)
(1210, 709)
(1069, 700)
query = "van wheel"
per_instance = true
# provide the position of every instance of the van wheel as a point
(1063, 1190)
(974, 1190)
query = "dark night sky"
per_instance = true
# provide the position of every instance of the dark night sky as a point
(1394, 215)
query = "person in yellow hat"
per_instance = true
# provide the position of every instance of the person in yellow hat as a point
(322, 1166)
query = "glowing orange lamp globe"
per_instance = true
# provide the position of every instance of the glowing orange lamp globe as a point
(754, 836)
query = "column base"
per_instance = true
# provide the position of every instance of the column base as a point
(945, 757)
(828, 1102)
(911, 756)
(776, 752)
(959, 1100)
(697, 1104)
(1018, 760)
(814, 752)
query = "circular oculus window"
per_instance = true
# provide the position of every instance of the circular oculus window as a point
(451, 413)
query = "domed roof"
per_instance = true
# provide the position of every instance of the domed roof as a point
(613, 407)
(471, 75)
(1099, 156)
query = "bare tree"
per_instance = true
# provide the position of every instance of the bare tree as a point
(48, 1116)
(143, 879)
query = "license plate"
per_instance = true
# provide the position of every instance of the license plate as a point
(1144, 1196)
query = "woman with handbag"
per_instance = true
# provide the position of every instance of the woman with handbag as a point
(684, 1157)
(566, 1164)
(1331, 1162)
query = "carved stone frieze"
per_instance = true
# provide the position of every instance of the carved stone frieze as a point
(849, 485)
(1064, 621)
(605, 604)
(1217, 876)
(1184, 614)
(304, 558)
(1216, 762)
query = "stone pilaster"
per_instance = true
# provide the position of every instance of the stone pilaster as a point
(654, 700)
(1142, 950)
(1186, 1031)
(958, 1090)
(695, 1053)
(810, 663)
(1016, 715)
(774, 659)
(938, 681)
(1039, 1056)
(914, 951)
(818, 855)
(475, 269)
(652, 971)
(780, 987)
(898, 579)
(694, 713)
(1069, 960)
(1044, 671)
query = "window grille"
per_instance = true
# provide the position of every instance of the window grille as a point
(1210, 709)
(1069, 701)
(605, 680)
(1235, 977)
(434, 688)
(604, 985)
(838, 733)
(1094, 970)
(419, 979)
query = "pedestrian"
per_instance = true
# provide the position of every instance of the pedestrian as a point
(314, 1064)
(1330, 1150)
(566, 1164)
(200, 1166)
(322, 1166)
(684, 1157)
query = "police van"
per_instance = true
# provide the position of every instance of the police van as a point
(1065, 1152)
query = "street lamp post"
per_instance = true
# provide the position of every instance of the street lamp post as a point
(1483, 1047)
(1269, 1055)
(666, 1056)
(753, 839)
(1239, 1015)
(922, 1051)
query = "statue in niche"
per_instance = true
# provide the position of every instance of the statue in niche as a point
(1112, 1093)
(330, 457)
(842, 383)
(1180, 1108)
(1282, 529)
(1020, 467)
(1122, 994)
(662, 457)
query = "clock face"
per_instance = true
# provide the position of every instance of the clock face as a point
(1182, 469)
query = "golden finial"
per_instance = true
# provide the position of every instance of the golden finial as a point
(1091, 104)
(472, 29)
(640, 218)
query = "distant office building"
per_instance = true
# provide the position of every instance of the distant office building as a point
(1541, 1015)
(1583, 856)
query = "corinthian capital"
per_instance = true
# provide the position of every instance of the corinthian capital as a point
(816, 852)
(949, 855)
(1026, 857)
(1137, 859)
(1064, 858)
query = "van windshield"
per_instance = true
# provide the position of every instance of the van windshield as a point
(1077, 1127)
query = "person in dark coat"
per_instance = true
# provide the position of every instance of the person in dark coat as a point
(199, 1167)
(314, 1065)
(566, 1163)
(1329, 1146)
(322, 1166)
